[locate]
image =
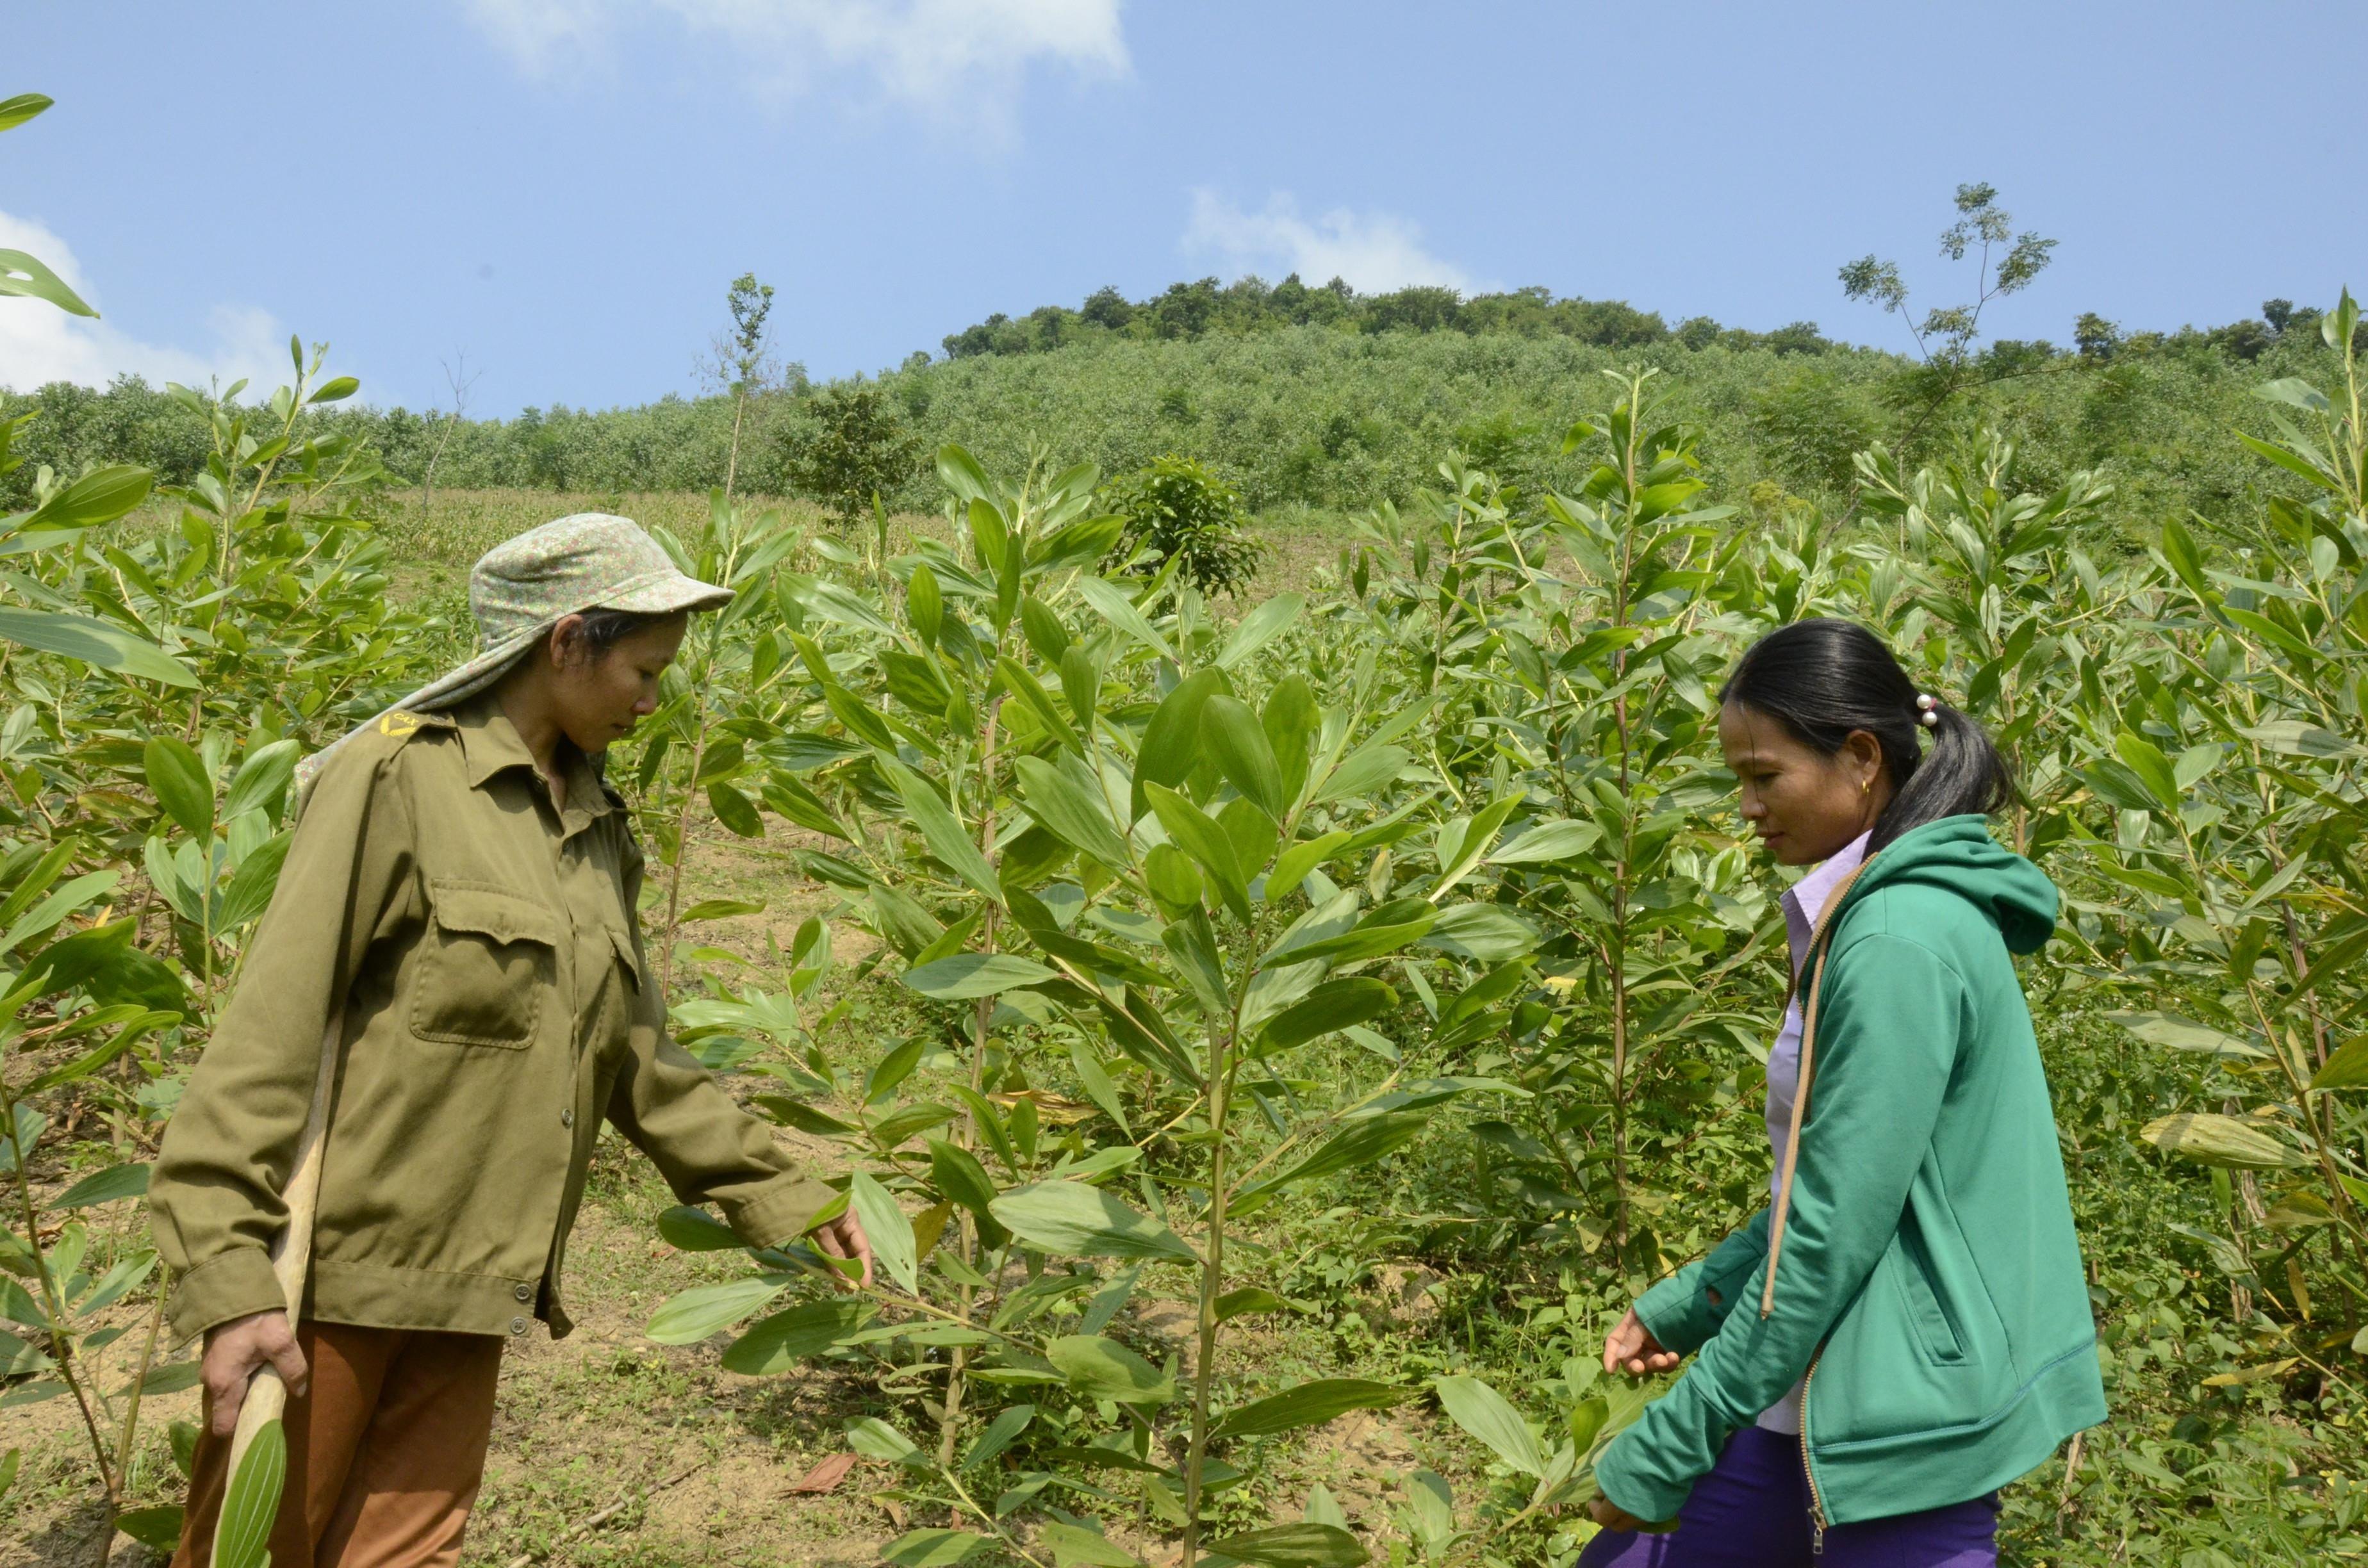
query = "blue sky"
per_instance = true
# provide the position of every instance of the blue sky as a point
(562, 189)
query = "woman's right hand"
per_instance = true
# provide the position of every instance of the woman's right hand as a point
(1631, 1348)
(235, 1350)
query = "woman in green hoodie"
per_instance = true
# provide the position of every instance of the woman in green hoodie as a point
(1906, 1327)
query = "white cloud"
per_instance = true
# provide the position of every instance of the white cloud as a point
(929, 53)
(40, 344)
(1373, 251)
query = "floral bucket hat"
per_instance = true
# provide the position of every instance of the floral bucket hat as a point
(522, 587)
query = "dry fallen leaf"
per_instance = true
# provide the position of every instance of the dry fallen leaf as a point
(825, 1476)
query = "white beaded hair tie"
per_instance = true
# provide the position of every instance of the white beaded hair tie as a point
(1927, 709)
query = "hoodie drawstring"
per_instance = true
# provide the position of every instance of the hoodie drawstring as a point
(1814, 962)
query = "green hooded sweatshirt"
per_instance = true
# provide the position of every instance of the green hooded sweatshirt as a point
(1930, 1284)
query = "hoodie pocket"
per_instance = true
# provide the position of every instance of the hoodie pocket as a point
(1936, 1331)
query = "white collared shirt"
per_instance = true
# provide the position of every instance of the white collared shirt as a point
(1803, 903)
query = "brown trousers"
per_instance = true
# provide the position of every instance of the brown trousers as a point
(385, 1452)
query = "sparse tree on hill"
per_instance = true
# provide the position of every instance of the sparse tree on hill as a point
(2006, 263)
(740, 361)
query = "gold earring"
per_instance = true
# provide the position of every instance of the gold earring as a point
(1866, 784)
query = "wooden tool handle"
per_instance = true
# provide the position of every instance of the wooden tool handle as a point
(291, 1255)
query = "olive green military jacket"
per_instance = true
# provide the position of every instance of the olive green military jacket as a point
(497, 1003)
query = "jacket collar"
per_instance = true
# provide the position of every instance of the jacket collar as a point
(490, 745)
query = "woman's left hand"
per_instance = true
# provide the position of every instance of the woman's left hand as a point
(1613, 1517)
(843, 1238)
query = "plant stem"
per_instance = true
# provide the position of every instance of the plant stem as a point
(139, 1380)
(55, 1309)
(1212, 1273)
(949, 1415)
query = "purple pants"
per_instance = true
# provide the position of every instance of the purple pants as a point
(1752, 1511)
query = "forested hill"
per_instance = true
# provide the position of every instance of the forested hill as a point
(1249, 305)
(1321, 401)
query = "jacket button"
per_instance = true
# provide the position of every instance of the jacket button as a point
(568, 1117)
(517, 1325)
(524, 1293)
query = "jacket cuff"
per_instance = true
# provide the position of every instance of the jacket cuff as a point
(779, 1211)
(1678, 1313)
(233, 1284)
(1626, 1475)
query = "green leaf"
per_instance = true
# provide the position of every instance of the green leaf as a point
(722, 909)
(2300, 467)
(999, 1436)
(707, 1309)
(251, 1502)
(1171, 741)
(2292, 737)
(1556, 840)
(932, 1547)
(1075, 1546)
(1335, 1005)
(1058, 800)
(1361, 773)
(1358, 1145)
(1483, 1413)
(2154, 770)
(1385, 930)
(70, 960)
(1292, 1546)
(1261, 627)
(891, 1233)
(251, 885)
(1292, 718)
(15, 112)
(1247, 1301)
(99, 496)
(261, 780)
(924, 604)
(171, 1378)
(1206, 843)
(95, 642)
(157, 1528)
(2213, 1139)
(23, 276)
(1076, 1221)
(1096, 1080)
(967, 975)
(11, 1460)
(1103, 1369)
(335, 391)
(2346, 1068)
(1119, 610)
(778, 1344)
(2291, 391)
(942, 830)
(110, 1185)
(1238, 742)
(875, 1439)
(1484, 933)
(695, 1230)
(1309, 1405)
(735, 810)
(2185, 1034)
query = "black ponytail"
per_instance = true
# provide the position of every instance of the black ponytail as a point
(1821, 679)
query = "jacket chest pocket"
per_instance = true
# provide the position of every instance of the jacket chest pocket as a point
(491, 963)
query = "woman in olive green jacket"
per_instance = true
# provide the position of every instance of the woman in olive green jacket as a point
(457, 920)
